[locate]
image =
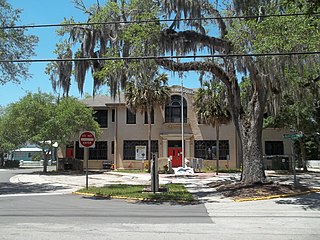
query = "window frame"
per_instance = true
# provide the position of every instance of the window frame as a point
(271, 148)
(129, 150)
(131, 117)
(201, 149)
(173, 110)
(146, 117)
(100, 152)
(100, 118)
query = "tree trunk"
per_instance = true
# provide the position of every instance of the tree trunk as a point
(250, 127)
(1, 159)
(252, 169)
(45, 161)
(303, 155)
(218, 148)
(149, 138)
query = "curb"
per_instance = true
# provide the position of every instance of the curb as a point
(277, 196)
(107, 197)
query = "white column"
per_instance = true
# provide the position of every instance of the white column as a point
(187, 147)
(164, 148)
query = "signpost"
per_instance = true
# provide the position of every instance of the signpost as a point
(293, 136)
(87, 140)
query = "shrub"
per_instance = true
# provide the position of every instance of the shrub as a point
(11, 164)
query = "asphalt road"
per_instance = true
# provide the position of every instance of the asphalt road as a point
(70, 216)
(40, 217)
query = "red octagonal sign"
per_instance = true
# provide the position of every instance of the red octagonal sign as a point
(87, 139)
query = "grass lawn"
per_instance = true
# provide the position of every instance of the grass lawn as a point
(175, 193)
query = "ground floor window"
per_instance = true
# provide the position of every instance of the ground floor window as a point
(100, 152)
(129, 148)
(274, 148)
(207, 149)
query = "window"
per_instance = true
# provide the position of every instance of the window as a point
(173, 110)
(146, 117)
(101, 116)
(129, 148)
(131, 117)
(98, 153)
(274, 148)
(112, 147)
(207, 149)
(113, 115)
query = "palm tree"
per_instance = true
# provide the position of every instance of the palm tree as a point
(146, 92)
(211, 108)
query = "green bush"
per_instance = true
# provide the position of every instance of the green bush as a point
(11, 164)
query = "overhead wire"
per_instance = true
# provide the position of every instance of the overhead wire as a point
(156, 57)
(155, 20)
(160, 57)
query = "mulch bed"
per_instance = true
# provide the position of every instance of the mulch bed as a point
(238, 190)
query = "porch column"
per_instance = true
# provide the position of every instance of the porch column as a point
(165, 148)
(187, 149)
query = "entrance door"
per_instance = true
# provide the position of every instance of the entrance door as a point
(175, 152)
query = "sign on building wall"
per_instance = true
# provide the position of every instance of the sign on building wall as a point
(141, 152)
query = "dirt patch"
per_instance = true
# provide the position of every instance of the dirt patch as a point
(238, 190)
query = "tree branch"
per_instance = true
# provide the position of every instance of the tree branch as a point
(193, 38)
(211, 67)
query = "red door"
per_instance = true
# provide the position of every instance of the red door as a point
(69, 153)
(175, 152)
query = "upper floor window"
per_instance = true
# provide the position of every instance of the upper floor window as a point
(173, 110)
(113, 115)
(131, 117)
(146, 117)
(101, 116)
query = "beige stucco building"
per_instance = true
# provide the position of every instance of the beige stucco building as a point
(124, 138)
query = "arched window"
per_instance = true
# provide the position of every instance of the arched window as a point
(173, 110)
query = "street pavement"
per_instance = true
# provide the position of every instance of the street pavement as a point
(295, 217)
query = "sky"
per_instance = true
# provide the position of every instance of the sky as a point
(53, 12)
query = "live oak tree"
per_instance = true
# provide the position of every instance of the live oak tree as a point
(189, 33)
(14, 44)
(42, 120)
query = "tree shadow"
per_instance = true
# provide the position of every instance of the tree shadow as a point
(307, 202)
(27, 188)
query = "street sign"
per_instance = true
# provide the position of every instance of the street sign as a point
(87, 139)
(293, 135)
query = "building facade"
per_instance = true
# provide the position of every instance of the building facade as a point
(124, 137)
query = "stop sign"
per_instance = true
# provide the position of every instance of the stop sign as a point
(87, 139)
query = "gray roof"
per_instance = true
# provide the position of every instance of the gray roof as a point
(103, 100)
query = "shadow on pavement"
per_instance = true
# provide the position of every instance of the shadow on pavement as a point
(25, 188)
(307, 202)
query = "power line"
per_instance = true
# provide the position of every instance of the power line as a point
(155, 20)
(159, 57)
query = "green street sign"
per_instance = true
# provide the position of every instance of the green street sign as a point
(292, 136)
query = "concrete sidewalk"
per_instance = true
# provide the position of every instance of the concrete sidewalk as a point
(196, 183)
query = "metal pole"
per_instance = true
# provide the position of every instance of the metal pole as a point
(86, 158)
(293, 164)
(182, 124)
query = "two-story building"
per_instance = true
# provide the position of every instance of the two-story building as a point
(125, 135)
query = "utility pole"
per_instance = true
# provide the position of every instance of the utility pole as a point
(182, 124)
